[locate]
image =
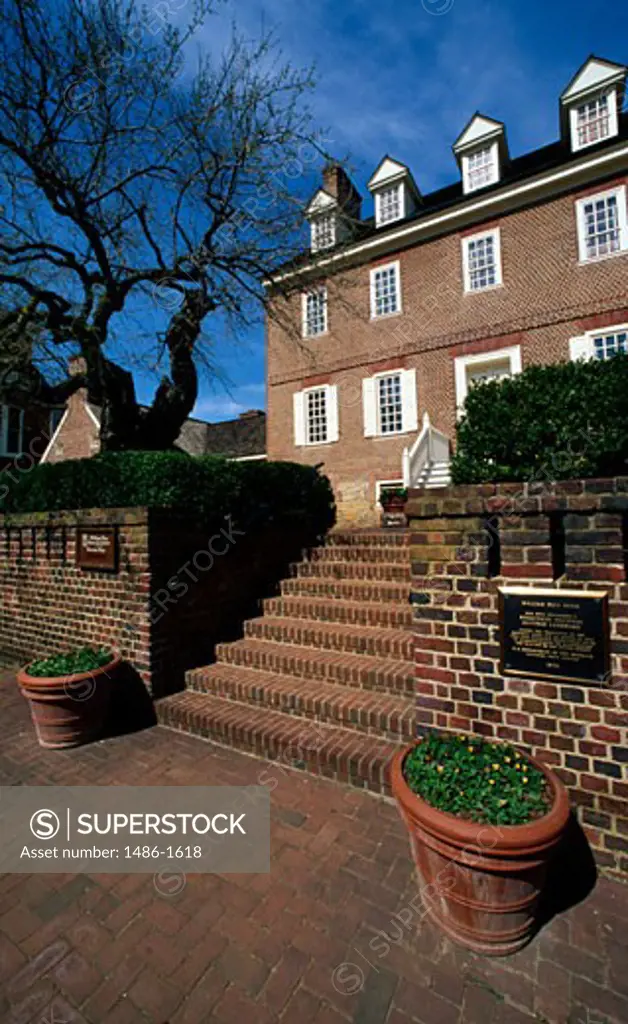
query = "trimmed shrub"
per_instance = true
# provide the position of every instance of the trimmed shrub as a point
(547, 423)
(210, 486)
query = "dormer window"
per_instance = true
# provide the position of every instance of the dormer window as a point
(323, 232)
(389, 204)
(481, 168)
(394, 192)
(590, 103)
(481, 152)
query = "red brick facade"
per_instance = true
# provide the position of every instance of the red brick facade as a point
(581, 730)
(547, 297)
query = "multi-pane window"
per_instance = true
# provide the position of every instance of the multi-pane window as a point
(11, 424)
(481, 257)
(385, 298)
(607, 345)
(390, 404)
(324, 231)
(600, 225)
(593, 121)
(316, 416)
(315, 312)
(480, 168)
(389, 204)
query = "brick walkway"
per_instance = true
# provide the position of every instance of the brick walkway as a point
(113, 949)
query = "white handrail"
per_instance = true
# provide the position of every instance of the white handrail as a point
(430, 446)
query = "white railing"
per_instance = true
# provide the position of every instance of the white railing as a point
(430, 446)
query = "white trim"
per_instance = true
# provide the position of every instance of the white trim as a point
(462, 363)
(315, 222)
(613, 127)
(401, 189)
(248, 458)
(371, 408)
(495, 234)
(595, 74)
(55, 435)
(467, 211)
(304, 320)
(381, 484)
(495, 166)
(376, 270)
(299, 399)
(620, 192)
(582, 347)
(93, 415)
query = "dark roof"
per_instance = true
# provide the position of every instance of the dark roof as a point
(233, 438)
(549, 157)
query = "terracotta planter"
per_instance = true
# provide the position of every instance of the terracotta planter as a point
(481, 883)
(68, 710)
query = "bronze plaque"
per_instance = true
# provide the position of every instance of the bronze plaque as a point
(554, 634)
(97, 548)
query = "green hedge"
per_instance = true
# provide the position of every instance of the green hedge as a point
(547, 423)
(210, 486)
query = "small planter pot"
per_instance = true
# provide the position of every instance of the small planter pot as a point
(481, 883)
(69, 710)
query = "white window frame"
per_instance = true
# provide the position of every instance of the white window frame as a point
(409, 403)
(620, 193)
(400, 189)
(4, 431)
(611, 97)
(315, 225)
(583, 346)
(377, 270)
(306, 332)
(495, 234)
(382, 485)
(467, 186)
(300, 416)
(498, 355)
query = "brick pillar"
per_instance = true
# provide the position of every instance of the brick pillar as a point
(594, 546)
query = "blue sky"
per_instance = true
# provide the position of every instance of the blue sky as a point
(404, 78)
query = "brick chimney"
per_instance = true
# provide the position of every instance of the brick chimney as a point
(337, 182)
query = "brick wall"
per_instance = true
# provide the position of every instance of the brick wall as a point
(182, 587)
(547, 297)
(580, 730)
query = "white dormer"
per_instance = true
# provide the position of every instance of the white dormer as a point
(591, 103)
(322, 213)
(394, 192)
(481, 152)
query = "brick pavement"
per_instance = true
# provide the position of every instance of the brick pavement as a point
(111, 949)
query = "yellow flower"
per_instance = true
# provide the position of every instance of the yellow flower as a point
(496, 767)
(491, 782)
(470, 749)
(507, 760)
(501, 803)
(525, 778)
(440, 768)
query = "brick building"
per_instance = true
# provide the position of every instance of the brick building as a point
(25, 432)
(521, 261)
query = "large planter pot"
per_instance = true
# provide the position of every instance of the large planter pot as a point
(69, 710)
(481, 884)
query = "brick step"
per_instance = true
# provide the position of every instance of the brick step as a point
(397, 555)
(380, 642)
(365, 711)
(345, 570)
(336, 753)
(355, 670)
(348, 590)
(390, 538)
(388, 615)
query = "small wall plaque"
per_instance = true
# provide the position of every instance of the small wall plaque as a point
(97, 548)
(554, 634)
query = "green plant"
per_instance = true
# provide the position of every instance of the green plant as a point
(211, 487)
(490, 783)
(85, 659)
(547, 423)
(391, 493)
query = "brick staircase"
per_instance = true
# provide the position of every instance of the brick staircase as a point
(324, 679)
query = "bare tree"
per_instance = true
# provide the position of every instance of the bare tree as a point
(136, 169)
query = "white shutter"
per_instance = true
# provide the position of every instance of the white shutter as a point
(332, 413)
(408, 400)
(580, 348)
(369, 406)
(299, 418)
